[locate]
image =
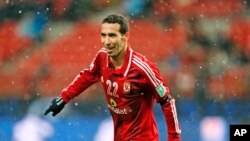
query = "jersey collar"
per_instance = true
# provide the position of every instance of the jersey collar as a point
(126, 65)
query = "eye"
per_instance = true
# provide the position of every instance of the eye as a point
(103, 35)
(112, 35)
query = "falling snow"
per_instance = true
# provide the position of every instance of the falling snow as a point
(200, 47)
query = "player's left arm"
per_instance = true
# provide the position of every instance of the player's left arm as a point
(167, 102)
(169, 110)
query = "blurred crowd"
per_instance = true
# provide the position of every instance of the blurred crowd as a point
(209, 68)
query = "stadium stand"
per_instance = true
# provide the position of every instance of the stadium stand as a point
(11, 42)
(74, 51)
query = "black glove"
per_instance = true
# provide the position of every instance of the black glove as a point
(56, 106)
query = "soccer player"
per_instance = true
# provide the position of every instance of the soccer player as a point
(131, 84)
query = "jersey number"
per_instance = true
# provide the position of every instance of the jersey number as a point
(112, 88)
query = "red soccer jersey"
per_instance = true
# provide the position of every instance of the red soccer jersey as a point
(130, 94)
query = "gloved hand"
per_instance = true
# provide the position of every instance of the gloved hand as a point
(56, 106)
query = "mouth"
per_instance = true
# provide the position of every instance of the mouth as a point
(110, 49)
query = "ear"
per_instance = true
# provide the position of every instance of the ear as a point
(126, 36)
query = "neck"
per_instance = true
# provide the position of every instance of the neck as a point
(118, 60)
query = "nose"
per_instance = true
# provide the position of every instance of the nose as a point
(106, 41)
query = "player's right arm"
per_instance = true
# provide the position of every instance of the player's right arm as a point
(81, 82)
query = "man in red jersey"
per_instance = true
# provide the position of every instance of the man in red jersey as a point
(131, 84)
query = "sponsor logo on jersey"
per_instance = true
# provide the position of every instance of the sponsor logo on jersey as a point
(112, 102)
(121, 111)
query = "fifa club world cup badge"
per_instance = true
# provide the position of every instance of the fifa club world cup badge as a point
(126, 87)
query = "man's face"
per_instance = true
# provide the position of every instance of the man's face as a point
(112, 39)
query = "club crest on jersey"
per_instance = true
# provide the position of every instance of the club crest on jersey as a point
(126, 87)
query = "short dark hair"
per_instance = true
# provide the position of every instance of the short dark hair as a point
(120, 19)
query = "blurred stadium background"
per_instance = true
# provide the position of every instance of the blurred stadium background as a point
(201, 47)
